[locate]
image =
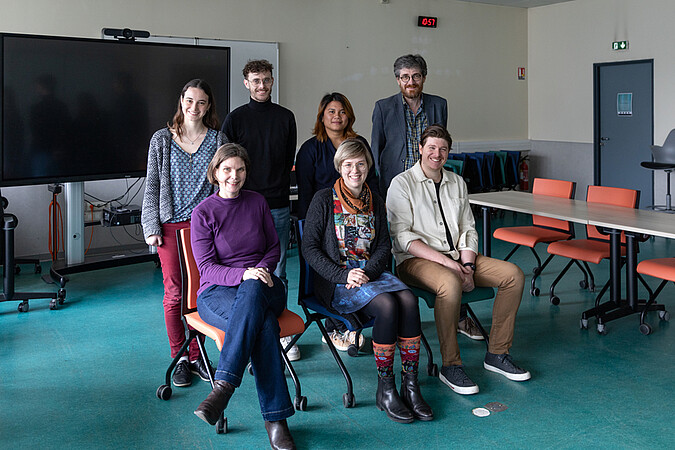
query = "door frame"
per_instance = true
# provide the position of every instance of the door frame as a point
(597, 116)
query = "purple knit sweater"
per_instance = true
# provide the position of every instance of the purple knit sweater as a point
(231, 235)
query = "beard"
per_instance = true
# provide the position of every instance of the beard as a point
(412, 94)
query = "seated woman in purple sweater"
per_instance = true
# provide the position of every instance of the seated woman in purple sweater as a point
(236, 248)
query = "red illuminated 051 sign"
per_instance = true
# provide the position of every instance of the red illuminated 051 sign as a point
(427, 22)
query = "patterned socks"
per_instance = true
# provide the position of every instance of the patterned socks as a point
(384, 359)
(410, 353)
(410, 356)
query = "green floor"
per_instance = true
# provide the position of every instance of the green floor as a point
(85, 376)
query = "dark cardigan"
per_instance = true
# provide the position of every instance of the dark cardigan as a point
(320, 249)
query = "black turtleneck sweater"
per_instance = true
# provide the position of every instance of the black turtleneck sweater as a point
(268, 132)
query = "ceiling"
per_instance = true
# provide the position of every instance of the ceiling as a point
(518, 3)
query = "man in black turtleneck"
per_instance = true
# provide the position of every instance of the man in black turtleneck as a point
(268, 132)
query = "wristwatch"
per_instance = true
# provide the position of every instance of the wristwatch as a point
(471, 265)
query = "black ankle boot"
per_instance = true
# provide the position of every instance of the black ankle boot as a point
(280, 435)
(215, 403)
(387, 400)
(412, 397)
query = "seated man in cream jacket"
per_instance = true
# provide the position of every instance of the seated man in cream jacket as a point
(436, 249)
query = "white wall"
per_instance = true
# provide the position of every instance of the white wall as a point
(347, 46)
(564, 41)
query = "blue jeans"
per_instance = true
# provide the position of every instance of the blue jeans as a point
(248, 314)
(282, 223)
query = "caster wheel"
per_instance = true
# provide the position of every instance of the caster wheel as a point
(664, 315)
(535, 292)
(53, 305)
(591, 288)
(555, 300)
(164, 392)
(583, 324)
(23, 306)
(432, 370)
(352, 350)
(301, 403)
(602, 329)
(61, 296)
(583, 284)
(645, 329)
(347, 400)
(536, 271)
(221, 426)
(38, 268)
(17, 270)
(249, 368)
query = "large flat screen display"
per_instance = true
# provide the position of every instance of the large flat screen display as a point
(85, 109)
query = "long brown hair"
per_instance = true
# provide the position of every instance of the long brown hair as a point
(320, 129)
(210, 119)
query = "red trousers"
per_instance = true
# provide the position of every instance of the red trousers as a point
(168, 256)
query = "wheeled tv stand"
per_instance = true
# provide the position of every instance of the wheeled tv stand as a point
(75, 261)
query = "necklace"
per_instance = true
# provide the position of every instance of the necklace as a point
(192, 141)
(364, 197)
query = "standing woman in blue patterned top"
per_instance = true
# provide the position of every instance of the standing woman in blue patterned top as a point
(175, 184)
(346, 241)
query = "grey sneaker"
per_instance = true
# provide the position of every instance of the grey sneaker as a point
(182, 376)
(469, 328)
(504, 365)
(293, 353)
(455, 378)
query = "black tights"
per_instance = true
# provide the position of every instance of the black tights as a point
(396, 314)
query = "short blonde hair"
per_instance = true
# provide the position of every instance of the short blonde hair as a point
(351, 148)
(225, 152)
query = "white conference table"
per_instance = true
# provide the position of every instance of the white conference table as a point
(635, 223)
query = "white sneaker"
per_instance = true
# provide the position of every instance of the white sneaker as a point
(342, 341)
(293, 353)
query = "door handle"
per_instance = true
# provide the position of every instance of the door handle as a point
(603, 140)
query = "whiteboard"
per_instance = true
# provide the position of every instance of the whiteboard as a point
(240, 53)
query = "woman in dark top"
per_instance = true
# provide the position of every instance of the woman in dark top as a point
(314, 171)
(175, 183)
(346, 242)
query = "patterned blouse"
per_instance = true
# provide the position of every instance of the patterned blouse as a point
(355, 233)
(189, 185)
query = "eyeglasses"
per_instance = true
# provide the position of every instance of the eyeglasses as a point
(416, 77)
(258, 81)
(361, 166)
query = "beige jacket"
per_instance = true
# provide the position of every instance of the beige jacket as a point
(414, 214)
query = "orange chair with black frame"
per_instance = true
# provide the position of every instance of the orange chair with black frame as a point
(289, 323)
(543, 230)
(663, 268)
(596, 246)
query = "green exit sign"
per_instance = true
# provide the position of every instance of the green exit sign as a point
(620, 45)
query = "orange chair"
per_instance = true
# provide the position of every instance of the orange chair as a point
(543, 229)
(290, 323)
(595, 247)
(663, 268)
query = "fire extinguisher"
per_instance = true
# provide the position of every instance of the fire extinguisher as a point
(524, 173)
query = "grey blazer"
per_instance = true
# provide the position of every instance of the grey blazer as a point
(388, 139)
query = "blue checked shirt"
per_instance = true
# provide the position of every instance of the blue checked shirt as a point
(415, 125)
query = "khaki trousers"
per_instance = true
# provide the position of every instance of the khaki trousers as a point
(505, 276)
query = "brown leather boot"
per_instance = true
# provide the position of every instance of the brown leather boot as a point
(412, 397)
(280, 435)
(388, 400)
(215, 403)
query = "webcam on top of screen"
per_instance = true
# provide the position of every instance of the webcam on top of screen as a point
(126, 34)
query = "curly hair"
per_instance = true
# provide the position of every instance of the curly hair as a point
(257, 66)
